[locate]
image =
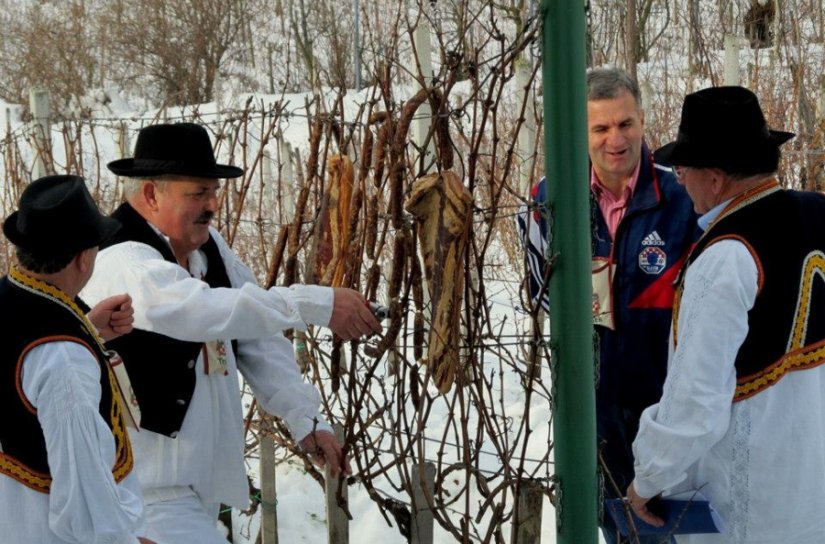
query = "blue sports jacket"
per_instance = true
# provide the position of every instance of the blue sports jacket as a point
(652, 241)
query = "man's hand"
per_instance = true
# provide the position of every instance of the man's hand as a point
(323, 448)
(113, 316)
(639, 506)
(351, 315)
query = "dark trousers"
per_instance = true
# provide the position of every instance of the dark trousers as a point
(616, 428)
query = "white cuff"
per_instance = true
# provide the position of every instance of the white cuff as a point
(314, 303)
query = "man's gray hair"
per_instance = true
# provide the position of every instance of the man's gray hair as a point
(132, 186)
(604, 83)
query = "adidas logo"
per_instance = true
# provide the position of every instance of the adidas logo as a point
(653, 239)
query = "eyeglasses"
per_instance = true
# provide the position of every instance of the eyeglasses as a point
(679, 172)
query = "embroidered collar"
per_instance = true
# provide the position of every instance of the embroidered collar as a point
(45, 290)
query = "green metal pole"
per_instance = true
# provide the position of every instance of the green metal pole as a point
(571, 322)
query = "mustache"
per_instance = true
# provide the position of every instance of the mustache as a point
(205, 217)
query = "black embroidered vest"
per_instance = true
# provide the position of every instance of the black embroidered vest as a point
(33, 314)
(785, 233)
(161, 369)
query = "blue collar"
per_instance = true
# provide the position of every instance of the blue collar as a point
(705, 221)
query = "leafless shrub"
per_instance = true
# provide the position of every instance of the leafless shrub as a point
(47, 44)
(180, 46)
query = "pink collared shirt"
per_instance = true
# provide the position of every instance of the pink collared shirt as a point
(613, 208)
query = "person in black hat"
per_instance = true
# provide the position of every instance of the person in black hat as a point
(199, 317)
(65, 456)
(740, 419)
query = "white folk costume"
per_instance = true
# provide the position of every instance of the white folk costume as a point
(194, 329)
(197, 451)
(740, 419)
(65, 474)
(761, 458)
(741, 415)
(65, 458)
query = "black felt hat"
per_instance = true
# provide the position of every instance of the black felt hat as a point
(57, 214)
(723, 127)
(181, 148)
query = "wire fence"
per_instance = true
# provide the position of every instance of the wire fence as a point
(277, 217)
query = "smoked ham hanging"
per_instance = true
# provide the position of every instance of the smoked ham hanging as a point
(442, 207)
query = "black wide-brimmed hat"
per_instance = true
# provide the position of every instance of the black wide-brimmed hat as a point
(183, 149)
(57, 214)
(723, 127)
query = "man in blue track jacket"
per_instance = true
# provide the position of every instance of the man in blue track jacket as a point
(643, 225)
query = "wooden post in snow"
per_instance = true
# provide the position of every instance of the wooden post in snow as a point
(777, 27)
(270, 185)
(423, 117)
(423, 484)
(422, 122)
(284, 201)
(731, 60)
(287, 184)
(647, 93)
(337, 503)
(631, 39)
(527, 525)
(269, 495)
(39, 103)
(124, 149)
(356, 44)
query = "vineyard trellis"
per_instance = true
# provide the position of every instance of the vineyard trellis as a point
(387, 410)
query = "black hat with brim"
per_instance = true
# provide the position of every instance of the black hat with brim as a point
(721, 127)
(182, 149)
(58, 215)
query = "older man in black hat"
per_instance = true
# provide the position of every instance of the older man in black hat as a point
(199, 317)
(740, 419)
(65, 456)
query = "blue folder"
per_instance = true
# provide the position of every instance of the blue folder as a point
(693, 515)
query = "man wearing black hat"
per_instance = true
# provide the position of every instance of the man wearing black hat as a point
(65, 456)
(740, 419)
(199, 317)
